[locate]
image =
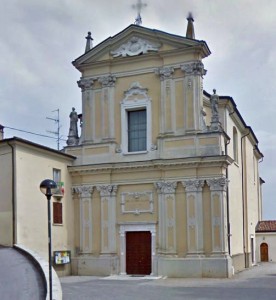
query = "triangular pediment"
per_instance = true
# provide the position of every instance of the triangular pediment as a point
(137, 40)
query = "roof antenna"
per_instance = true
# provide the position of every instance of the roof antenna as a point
(138, 6)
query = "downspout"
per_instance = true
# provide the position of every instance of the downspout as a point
(243, 201)
(13, 195)
(227, 206)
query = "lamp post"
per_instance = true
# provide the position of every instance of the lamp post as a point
(47, 187)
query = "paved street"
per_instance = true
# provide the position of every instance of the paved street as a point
(256, 283)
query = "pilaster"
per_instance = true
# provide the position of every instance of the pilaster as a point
(86, 238)
(86, 86)
(166, 216)
(167, 119)
(108, 218)
(193, 73)
(107, 106)
(218, 187)
(193, 188)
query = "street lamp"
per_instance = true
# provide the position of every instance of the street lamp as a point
(47, 187)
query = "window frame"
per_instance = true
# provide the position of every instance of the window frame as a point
(135, 105)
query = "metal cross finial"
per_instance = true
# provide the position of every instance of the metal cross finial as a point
(138, 6)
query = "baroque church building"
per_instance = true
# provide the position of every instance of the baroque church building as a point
(165, 179)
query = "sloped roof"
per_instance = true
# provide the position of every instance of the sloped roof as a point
(266, 226)
(135, 29)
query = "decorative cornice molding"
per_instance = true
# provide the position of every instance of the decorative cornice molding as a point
(84, 191)
(165, 187)
(136, 89)
(150, 165)
(194, 68)
(217, 184)
(107, 81)
(86, 84)
(135, 46)
(193, 185)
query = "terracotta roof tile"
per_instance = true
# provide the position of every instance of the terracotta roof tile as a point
(266, 226)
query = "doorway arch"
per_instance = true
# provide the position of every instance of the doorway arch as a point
(264, 252)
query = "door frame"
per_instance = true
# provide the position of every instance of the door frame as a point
(137, 227)
(267, 248)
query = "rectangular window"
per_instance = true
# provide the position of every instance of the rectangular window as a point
(57, 180)
(56, 175)
(137, 130)
(57, 212)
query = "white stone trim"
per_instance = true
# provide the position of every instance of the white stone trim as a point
(137, 195)
(135, 98)
(137, 227)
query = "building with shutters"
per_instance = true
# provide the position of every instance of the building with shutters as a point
(23, 208)
(166, 178)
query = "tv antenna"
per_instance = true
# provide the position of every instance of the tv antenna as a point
(57, 132)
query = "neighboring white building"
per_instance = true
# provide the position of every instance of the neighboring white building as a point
(266, 241)
(23, 208)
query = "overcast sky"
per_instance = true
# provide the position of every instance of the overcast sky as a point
(40, 39)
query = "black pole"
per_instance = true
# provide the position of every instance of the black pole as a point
(48, 195)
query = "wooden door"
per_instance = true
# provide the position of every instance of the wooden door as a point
(264, 252)
(138, 252)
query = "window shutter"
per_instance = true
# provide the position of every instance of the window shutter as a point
(57, 212)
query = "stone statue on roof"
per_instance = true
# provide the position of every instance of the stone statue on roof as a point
(73, 137)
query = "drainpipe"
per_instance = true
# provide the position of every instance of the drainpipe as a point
(13, 195)
(243, 202)
(227, 205)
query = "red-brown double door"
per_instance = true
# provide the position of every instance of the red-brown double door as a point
(138, 252)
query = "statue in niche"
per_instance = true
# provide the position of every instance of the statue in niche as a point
(73, 137)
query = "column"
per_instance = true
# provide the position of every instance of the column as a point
(87, 127)
(107, 106)
(193, 188)
(193, 73)
(108, 218)
(86, 236)
(166, 216)
(218, 187)
(167, 119)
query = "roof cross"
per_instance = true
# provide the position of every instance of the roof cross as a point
(138, 6)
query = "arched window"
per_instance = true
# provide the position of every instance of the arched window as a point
(235, 145)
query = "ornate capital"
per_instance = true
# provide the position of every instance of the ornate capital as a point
(135, 46)
(85, 84)
(217, 184)
(194, 68)
(193, 185)
(166, 187)
(165, 73)
(107, 81)
(107, 190)
(84, 191)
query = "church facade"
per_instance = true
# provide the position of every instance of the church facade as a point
(166, 179)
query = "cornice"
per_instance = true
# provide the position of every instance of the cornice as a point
(152, 165)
